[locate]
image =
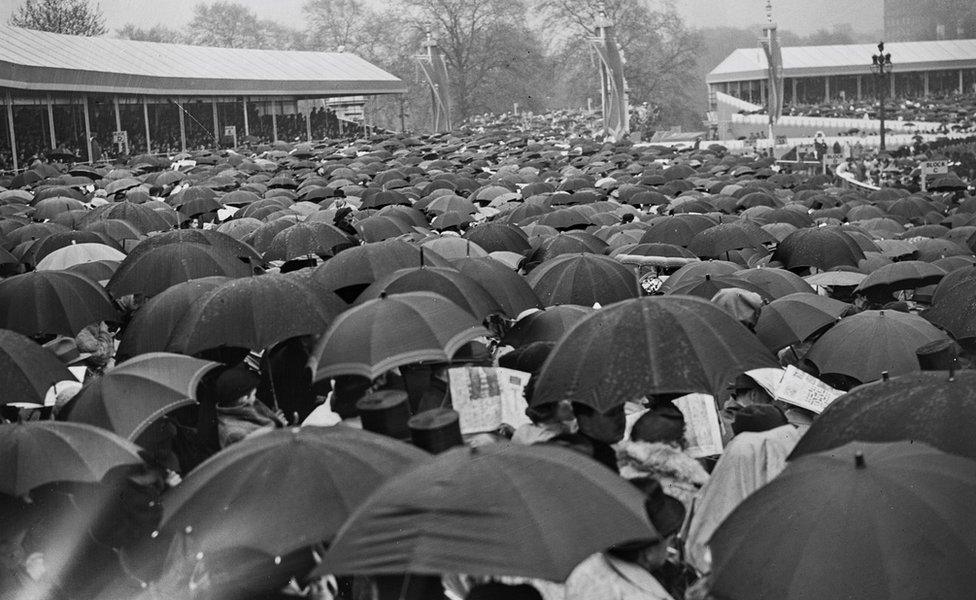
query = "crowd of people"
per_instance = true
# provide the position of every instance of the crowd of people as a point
(265, 346)
(954, 112)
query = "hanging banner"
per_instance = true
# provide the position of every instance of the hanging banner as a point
(616, 118)
(774, 59)
(435, 71)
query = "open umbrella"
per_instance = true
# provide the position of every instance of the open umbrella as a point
(583, 279)
(902, 275)
(708, 286)
(546, 325)
(850, 523)
(351, 271)
(154, 323)
(934, 407)
(131, 395)
(450, 283)
(715, 241)
(954, 304)
(821, 247)
(52, 302)
(865, 345)
(230, 500)
(776, 282)
(75, 254)
(151, 272)
(50, 451)
(794, 318)
(254, 312)
(303, 239)
(662, 344)
(496, 237)
(378, 335)
(27, 370)
(507, 287)
(491, 511)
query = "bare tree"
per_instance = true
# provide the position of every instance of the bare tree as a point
(157, 33)
(661, 53)
(229, 25)
(72, 17)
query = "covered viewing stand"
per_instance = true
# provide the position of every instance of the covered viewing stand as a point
(59, 91)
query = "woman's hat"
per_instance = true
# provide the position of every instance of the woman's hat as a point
(758, 417)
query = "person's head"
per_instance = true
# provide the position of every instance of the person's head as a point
(757, 418)
(665, 425)
(551, 413)
(666, 514)
(607, 427)
(495, 590)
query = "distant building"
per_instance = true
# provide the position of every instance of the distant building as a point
(923, 20)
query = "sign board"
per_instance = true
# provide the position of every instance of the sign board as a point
(230, 132)
(486, 397)
(781, 140)
(833, 159)
(935, 167)
(703, 430)
(120, 137)
(804, 390)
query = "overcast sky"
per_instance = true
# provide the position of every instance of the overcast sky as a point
(801, 16)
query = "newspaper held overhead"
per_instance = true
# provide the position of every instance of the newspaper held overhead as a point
(806, 391)
(703, 430)
(486, 397)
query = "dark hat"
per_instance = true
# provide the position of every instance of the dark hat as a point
(436, 430)
(664, 424)
(528, 358)
(386, 412)
(666, 513)
(939, 355)
(502, 591)
(233, 383)
(758, 417)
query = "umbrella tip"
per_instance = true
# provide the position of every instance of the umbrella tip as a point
(884, 376)
(859, 460)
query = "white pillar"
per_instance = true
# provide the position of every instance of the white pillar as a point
(216, 122)
(88, 135)
(308, 120)
(891, 83)
(247, 126)
(145, 120)
(118, 118)
(10, 130)
(859, 87)
(925, 83)
(274, 120)
(827, 89)
(179, 109)
(960, 81)
(795, 101)
(50, 122)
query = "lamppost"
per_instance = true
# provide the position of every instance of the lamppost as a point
(881, 66)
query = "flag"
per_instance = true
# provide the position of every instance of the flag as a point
(435, 71)
(616, 118)
(774, 87)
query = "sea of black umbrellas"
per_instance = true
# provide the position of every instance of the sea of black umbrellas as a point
(232, 375)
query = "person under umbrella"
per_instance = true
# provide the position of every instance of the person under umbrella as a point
(749, 462)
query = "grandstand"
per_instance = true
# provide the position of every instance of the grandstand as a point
(832, 88)
(59, 91)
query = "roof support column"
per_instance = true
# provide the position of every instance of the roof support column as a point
(891, 83)
(308, 120)
(247, 125)
(762, 91)
(859, 88)
(925, 83)
(827, 89)
(88, 135)
(274, 120)
(145, 120)
(216, 122)
(960, 81)
(50, 122)
(794, 92)
(10, 130)
(118, 117)
(179, 109)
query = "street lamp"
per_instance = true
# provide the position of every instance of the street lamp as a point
(881, 66)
